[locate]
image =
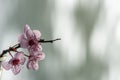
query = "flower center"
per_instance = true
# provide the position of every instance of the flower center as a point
(31, 42)
(15, 61)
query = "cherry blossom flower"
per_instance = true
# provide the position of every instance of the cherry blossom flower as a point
(15, 63)
(29, 39)
(34, 59)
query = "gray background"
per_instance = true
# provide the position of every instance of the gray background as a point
(89, 29)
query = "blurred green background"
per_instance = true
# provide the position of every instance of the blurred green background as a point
(89, 29)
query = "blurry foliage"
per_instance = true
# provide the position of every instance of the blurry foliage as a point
(86, 17)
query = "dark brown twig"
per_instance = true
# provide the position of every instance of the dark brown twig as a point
(49, 41)
(15, 47)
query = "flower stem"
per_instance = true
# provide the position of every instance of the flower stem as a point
(15, 47)
(49, 41)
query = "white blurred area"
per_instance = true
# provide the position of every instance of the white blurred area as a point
(64, 27)
(7, 8)
(104, 41)
(103, 46)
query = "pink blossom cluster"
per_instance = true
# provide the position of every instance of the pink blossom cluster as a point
(29, 40)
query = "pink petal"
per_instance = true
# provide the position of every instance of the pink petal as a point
(6, 65)
(21, 37)
(19, 55)
(35, 49)
(41, 56)
(32, 65)
(29, 34)
(37, 34)
(23, 60)
(16, 69)
(23, 41)
(26, 28)
(29, 65)
(35, 66)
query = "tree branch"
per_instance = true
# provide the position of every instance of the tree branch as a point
(15, 47)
